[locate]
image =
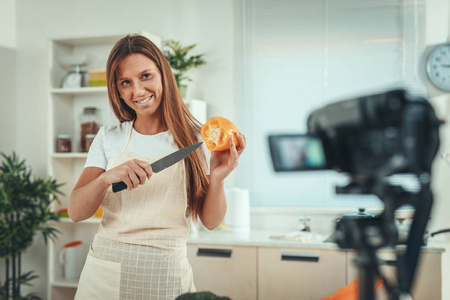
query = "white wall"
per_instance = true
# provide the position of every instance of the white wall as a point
(8, 23)
(7, 75)
(205, 22)
(7, 81)
(438, 31)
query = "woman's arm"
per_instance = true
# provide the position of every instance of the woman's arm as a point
(87, 194)
(93, 183)
(215, 205)
(222, 163)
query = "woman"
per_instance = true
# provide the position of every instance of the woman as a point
(139, 251)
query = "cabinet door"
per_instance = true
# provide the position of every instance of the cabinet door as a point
(299, 273)
(427, 284)
(224, 271)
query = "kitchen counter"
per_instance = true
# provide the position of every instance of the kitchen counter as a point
(267, 238)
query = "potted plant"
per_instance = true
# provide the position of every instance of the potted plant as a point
(25, 209)
(180, 62)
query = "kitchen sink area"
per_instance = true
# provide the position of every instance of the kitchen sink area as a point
(301, 236)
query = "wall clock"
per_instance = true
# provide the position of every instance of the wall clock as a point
(438, 67)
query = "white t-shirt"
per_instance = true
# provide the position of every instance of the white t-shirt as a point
(110, 140)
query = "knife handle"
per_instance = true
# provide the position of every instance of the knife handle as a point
(118, 186)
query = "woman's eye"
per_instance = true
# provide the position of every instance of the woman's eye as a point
(125, 82)
(145, 76)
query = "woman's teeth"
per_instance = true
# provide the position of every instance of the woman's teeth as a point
(145, 101)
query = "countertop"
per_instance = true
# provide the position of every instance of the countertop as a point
(267, 238)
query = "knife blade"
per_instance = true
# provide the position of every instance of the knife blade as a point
(162, 163)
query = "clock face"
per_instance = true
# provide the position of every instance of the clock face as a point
(438, 67)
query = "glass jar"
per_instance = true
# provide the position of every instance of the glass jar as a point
(304, 223)
(63, 143)
(89, 140)
(307, 224)
(90, 124)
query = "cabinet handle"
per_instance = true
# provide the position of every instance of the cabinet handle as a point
(214, 252)
(299, 256)
(390, 263)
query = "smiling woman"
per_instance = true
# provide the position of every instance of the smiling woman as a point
(140, 249)
(139, 85)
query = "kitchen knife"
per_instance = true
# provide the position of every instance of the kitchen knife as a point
(162, 163)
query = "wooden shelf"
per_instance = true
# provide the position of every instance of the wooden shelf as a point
(70, 155)
(65, 283)
(92, 220)
(80, 91)
(66, 105)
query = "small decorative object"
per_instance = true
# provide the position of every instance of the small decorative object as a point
(89, 140)
(180, 62)
(90, 124)
(63, 213)
(99, 212)
(76, 78)
(438, 67)
(63, 143)
(25, 209)
(72, 259)
(97, 78)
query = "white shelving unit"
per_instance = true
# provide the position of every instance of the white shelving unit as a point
(66, 107)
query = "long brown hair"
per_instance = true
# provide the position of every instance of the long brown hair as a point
(176, 117)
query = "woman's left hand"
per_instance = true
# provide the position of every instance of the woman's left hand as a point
(223, 162)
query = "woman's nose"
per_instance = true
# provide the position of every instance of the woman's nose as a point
(139, 89)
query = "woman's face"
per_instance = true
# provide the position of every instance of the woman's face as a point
(139, 84)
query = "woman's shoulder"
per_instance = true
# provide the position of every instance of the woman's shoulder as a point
(116, 129)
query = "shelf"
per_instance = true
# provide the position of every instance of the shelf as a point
(92, 220)
(70, 155)
(80, 91)
(66, 106)
(65, 283)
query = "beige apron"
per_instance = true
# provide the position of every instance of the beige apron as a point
(140, 249)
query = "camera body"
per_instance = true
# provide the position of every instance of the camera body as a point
(378, 135)
(369, 138)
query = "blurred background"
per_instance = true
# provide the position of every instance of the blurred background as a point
(269, 63)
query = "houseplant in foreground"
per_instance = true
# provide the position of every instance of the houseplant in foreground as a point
(25, 209)
(178, 57)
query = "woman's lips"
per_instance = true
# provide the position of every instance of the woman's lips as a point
(144, 101)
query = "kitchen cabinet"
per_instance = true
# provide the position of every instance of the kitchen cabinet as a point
(225, 271)
(293, 273)
(66, 106)
(263, 268)
(248, 273)
(427, 284)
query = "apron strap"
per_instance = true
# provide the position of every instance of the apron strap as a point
(129, 136)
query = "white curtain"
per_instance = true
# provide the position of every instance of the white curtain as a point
(299, 55)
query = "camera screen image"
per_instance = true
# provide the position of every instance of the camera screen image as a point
(297, 152)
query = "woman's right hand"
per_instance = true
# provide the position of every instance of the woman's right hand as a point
(133, 173)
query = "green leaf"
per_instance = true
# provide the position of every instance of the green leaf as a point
(179, 61)
(25, 209)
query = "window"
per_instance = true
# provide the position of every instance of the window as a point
(299, 55)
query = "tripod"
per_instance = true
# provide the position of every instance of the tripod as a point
(367, 235)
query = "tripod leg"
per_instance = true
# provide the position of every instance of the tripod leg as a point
(366, 278)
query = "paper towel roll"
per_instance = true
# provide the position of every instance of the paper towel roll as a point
(238, 209)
